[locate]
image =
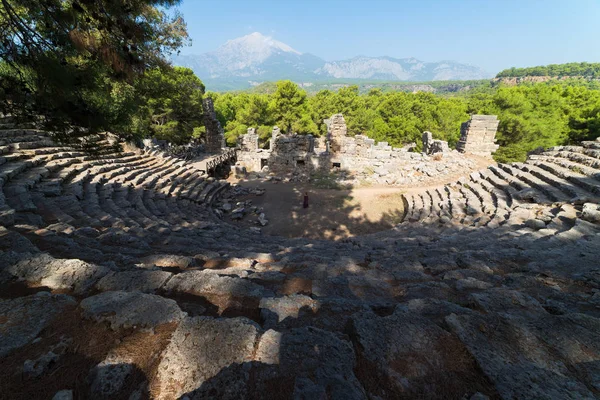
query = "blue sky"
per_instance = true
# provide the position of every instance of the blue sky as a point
(490, 34)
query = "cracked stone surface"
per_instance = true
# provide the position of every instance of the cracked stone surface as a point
(131, 309)
(119, 280)
(200, 348)
(23, 318)
(45, 270)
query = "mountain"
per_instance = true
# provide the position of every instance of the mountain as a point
(406, 69)
(255, 58)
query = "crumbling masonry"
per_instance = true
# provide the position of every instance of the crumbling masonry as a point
(478, 135)
(431, 146)
(359, 154)
(215, 137)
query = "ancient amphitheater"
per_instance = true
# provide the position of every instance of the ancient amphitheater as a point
(119, 281)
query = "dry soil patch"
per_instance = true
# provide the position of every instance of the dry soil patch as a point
(332, 213)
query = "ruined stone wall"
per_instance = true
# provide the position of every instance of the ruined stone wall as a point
(336, 132)
(360, 155)
(292, 152)
(358, 146)
(431, 146)
(381, 155)
(478, 135)
(286, 153)
(215, 137)
(250, 154)
(249, 141)
(359, 152)
(274, 135)
(321, 143)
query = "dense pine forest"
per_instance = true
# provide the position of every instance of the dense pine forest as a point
(586, 70)
(80, 70)
(532, 116)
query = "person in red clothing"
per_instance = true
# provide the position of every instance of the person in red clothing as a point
(305, 204)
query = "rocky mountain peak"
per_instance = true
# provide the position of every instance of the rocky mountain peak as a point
(252, 49)
(243, 61)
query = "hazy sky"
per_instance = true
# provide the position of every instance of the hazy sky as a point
(490, 34)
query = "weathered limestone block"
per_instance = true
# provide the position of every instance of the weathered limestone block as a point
(228, 293)
(149, 142)
(131, 309)
(291, 153)
(320, 143)
(408, 148)
(364, 146)
(401, 351)
(110, 376)
(238, 171)
(591, 212)
(427, 140)
(64, 394)
(11, 240)
(276, 309)
(439, 146)
(274, 135)
(207, 283)
(322, 364)
(23, 318)
(501, 300)
(431, 146)
(305, 363)
(472, 283)
(168, 260)
(535, 358)
(139, 280)
(45, 270)
(199, 349)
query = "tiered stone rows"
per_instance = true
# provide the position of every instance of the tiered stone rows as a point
(530, 193)
(118, 282)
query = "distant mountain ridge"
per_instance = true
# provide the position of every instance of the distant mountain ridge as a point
(255, 58)
(405, 69)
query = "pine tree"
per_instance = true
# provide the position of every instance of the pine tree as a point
(65, 60)
(289, 106)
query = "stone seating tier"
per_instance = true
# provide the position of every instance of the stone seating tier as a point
(493, 276)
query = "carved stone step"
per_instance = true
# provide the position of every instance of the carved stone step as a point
(589, 184)
(524, 191)
(547, 186)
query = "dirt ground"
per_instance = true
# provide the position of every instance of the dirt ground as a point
(332, 213)
(335, 213)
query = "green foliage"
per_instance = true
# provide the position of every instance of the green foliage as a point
(239, 112)
(540, 116)
(584, 69)
(89, 66)
(73, 63)
(443, 88)
(586, 125)
(290, 109)
(170, 104)
(531, 116)
(401, 118)
(322, 106)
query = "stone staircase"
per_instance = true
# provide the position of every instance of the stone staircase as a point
(116, 280)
